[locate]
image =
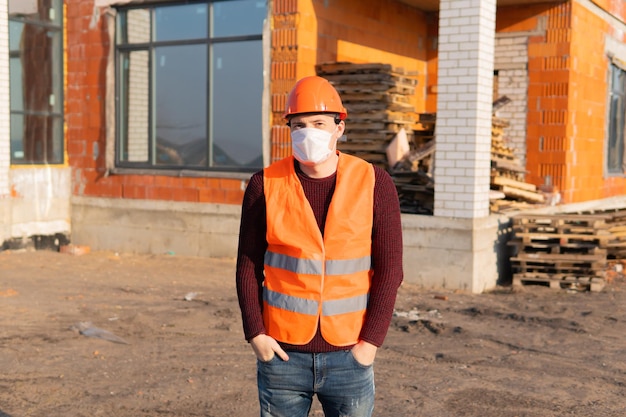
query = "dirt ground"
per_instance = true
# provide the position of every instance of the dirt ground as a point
(107, 334)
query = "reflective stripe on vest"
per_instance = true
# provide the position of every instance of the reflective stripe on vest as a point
(311, 307)
(290, 303)
(309, 266)
(312, 280)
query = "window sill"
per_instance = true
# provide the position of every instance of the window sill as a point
(182, 173)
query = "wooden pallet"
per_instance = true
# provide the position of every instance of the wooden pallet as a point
(560, 281)
(562, 221)
(385, 115)
(556, 247)
(571, 239)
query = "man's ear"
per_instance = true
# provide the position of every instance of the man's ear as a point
(341, 126)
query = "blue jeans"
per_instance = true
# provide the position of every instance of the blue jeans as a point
(343, 386)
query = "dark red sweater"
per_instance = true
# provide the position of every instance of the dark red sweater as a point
(386, 255)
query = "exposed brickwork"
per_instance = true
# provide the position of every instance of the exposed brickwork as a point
(511, 61)
(565, 116)
(567, 99)
(284, 57)
(588, 99)
(548, 65)
(86, 60)
(307, 33)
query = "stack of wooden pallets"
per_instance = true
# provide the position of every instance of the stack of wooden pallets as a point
(566, 250)
(378, 100)
(615, 220)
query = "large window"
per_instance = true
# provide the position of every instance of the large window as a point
(617, 111)
(36, 81)
(189, 85)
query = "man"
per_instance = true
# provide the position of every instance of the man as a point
(319, 265)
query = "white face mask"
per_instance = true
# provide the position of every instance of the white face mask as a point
(310, 146)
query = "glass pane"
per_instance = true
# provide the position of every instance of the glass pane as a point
(38, 76)
(15, 35)
(181, 22)
(615, 151)
(38, 10)
(36, 139)
(181, 105)
(58, 153)
(17, 138)
(15, 79)
(56, 68)
(241, 17)
(134, 106)
(237, 70)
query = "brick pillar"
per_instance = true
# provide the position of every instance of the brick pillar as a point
(463, 130)
(283, 73)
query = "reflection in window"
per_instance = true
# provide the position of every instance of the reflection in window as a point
(615, 151)
(181, 107)
(190, 85)
(134, 105)
(233, 147)
(36, 81)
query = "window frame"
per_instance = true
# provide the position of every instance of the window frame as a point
(151, 166)
(616, 114)
(57, 75)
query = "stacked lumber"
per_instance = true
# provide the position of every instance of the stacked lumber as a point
(507, 174)
(378, 100)
(561, 250)
(615, 220)
(413, 174)
(416, 191)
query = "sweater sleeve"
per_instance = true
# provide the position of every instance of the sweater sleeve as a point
(386, 258)
(252, 245)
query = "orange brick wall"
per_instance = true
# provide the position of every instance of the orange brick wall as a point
(284, 59)
(615, 7)
(587, 107)
(566, 122)
(386, 31)
(86, 59)
(548, 89)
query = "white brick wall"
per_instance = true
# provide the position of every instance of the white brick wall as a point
(139, 88)
(5, 138)
(511, 61)
(463, 129)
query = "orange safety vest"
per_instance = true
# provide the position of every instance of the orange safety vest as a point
(309, 277)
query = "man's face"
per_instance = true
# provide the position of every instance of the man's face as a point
(320, 121)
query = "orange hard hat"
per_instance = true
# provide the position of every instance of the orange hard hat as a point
(314, 95)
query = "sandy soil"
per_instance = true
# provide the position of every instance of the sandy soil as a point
(531, 351)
